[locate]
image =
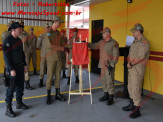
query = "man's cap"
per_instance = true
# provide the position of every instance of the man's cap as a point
(14, 25)
(31, 28)
(106, 29)
(63, 31)
(21, 21)
(74, 30)
(136, 27)
(46, 25)
(10, 22)
(57, 18)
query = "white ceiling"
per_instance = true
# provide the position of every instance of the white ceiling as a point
(87, 2)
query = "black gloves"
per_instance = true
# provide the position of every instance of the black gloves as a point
(110, 68)
(6, 77)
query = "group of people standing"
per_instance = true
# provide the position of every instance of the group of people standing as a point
(19, 47)
(53, 59)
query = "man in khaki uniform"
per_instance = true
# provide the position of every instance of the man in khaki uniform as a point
(24, 37)
(41, 45)
(73, 39)
(137, 61)
(109, 54)
(6, 33)
(30, 50)
(53, 57)
(64, 41)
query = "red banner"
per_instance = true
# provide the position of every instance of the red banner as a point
(80, 54)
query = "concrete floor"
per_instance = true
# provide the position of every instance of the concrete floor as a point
(80, 109)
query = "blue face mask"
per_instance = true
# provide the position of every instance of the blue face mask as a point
(48, 34)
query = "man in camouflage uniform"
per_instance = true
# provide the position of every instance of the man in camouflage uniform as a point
(6, 33)
(109, 54)
(24, 37)
(73, 39)
(41, 45)
(53, 58)
(64, 41)
(137, 61)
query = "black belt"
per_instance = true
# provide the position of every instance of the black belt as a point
(19, 65)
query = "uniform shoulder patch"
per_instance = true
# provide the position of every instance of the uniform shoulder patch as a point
(115, 44)
(144, 42)
(7, 44)
(48, 34)
(40, 37)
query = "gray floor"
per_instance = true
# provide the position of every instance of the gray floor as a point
(80, 109)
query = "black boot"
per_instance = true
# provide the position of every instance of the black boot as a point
(68, 82)
(46, 71)
(41, 83)
(64, 75)
(135, 113)
(21, 105)
(105, 97)
(10, 112)
(129, 107)
(110, 101)
(35, 72)
(59, 96)
(48, 102)
(52, 82)
(77, 79)
(28, 85)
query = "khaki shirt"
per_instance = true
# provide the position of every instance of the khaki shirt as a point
(5, 35)
(63, 40)
(41, 44)
(109, 52)
(53, 38)
(31, 44)
(140, 50)
(24, 35)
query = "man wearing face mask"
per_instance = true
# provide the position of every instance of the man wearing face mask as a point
(137, 61)
(109, 54)
(16, 65)
(41, 45)
(53, 58)
(73, 39)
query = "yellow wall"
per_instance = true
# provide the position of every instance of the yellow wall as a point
(120, 16)
(61, 9)
(37, 31)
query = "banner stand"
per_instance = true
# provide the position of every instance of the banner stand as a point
(80, 84)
